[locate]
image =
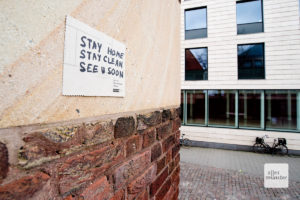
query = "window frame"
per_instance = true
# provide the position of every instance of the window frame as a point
(185, 63)
(190, 9)
(262, 17)
(264, 61)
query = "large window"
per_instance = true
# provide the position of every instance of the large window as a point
(250, 108)
(246, 109)
(196, 67)
(221, 107)
(281, 110)
(249, 16)
(195, 107)
(251, 64)
(195, 23)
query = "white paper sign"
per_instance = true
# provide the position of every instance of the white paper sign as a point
(94, 63)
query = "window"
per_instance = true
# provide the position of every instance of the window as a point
(196, 64)
(281, 110)
(221, 107)
(249, 16)
(251, 63)
(181, 106)
(250, 108)
(195, 23)
(195, 107)
(247, 109)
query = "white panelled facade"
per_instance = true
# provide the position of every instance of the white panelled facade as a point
(281, 39)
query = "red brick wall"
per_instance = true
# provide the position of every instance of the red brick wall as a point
(131, 157)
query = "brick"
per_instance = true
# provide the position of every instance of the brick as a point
(175, 150)
(100, 189)
(164, 130)
(169, 156)
(163, 191)
(161, 164)
(80, 169)
(3, 161)
(148, 120)
(25, 187)
(158, 182)
(170, 193)
(155, 152)
(133, 145)
(172, 166)
(143, 195)
(176, 123)
(124, 126)
(175, 196)
(177, 159)
(119, 195)
(149, 137)
(141, 182)
(166, 115)
(175, 177)
(168, 143)
(131, 168)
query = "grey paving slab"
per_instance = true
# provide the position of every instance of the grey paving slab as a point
(251, 163)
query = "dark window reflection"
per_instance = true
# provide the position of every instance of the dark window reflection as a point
(250, 109)
(195, 23)
(249, 16)
(181, 106)
(196, 64)
(195, 107)
(221, 107)
(251, 61)
(281, 110)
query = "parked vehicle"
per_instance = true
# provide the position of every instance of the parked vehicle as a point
(278, 147)
(184, 141)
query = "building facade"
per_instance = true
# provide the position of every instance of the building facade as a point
(240, 72)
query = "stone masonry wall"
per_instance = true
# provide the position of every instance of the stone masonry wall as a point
(130, 157)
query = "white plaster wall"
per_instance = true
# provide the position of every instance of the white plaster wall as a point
(32, 51)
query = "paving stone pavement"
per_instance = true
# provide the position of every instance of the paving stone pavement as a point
(205, 177)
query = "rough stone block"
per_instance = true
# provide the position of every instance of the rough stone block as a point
(158, 182)
(149, 137)
(100, 189)
(169, 142)
(25, 187)
(133, 145)
(164, 130)
(166, 115)
(175, 113)
(148, 120)
(141, 182)
(3, 161)
(131, 168)
(124, 127)
(155, 152)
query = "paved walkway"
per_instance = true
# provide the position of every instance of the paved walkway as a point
(222, 174)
